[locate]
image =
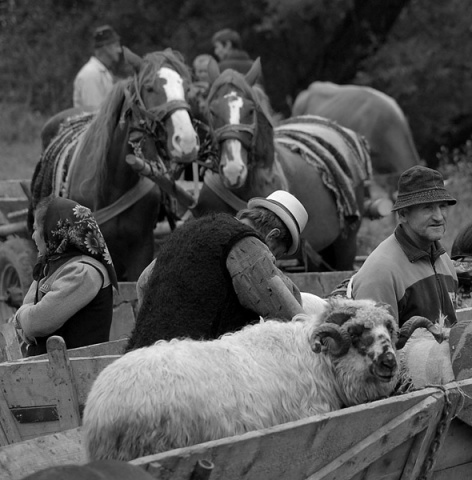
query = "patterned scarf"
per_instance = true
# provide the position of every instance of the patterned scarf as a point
(69, 230)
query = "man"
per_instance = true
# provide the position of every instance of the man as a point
(411, 270)
(217, 273)
(95, 79)
(228, 49)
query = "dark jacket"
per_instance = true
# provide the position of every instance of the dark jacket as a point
(237, 60)
(413, 281)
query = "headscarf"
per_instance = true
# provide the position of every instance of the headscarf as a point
(69, 230)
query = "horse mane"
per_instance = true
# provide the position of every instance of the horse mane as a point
(93, 148)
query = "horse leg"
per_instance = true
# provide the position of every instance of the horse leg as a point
(342, 253)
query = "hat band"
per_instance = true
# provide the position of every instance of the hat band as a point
(287, 211)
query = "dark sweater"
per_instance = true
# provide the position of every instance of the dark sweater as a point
(190, 292)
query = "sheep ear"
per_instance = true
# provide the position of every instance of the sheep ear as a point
(213, 70)
(385, 306)
(339, 317)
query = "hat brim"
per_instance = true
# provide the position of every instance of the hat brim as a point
(284, 215)
(425, 196)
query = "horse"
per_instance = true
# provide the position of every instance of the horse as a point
(146, 116)
(370, 113)
(324, 165)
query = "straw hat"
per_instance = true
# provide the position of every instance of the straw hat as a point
(289, 209)
(419, 185)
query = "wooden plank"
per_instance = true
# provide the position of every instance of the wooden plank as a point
(298, 449)
(319, 283)
(9, 344)
(114, 347)
(8, 427)
(64, 383)
(31, 383)
(464, 314)
(25, 458)
(376, 445)
(123, 322)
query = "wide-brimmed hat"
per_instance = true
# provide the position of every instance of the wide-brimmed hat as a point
(289, 209)
(105, 35)
(419, 185)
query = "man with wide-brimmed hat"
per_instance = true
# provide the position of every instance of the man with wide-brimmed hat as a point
(411, 270)
(217, 273)
(95, 79)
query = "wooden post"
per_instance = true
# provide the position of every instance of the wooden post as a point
(8, 427)
(9, 344)
(64, 383)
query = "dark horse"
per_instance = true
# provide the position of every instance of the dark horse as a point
(146, 116)
(324, 165)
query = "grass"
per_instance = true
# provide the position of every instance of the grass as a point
(20, 149)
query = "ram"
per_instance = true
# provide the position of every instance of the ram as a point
(183, 392)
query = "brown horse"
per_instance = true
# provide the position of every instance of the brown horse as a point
(370, 113)
(324, 165)
(146, 116)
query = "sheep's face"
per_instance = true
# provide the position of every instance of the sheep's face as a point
(363, 354)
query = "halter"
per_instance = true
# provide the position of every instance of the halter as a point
(149, 123)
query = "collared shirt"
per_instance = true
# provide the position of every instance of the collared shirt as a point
(91, 85)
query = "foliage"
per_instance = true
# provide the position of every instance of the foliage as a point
(424, 61)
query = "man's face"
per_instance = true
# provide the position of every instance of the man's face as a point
(114, 52)
(425, 223)
(222, 49)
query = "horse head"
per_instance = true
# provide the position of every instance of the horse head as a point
(159, 107)
(236, 117)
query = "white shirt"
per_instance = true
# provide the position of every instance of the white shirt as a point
(91, 85)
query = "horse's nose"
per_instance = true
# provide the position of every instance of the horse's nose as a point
(188, 144)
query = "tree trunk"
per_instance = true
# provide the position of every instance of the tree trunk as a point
(364, 29)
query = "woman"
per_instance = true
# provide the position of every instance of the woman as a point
(71, 295)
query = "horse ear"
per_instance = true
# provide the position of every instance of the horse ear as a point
(132, 59)
(255, 72)
(213, 70)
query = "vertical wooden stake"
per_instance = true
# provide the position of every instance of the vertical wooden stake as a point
(64, 383)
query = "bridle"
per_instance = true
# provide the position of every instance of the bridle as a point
(149, 124)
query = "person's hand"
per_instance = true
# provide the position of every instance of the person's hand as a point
(14, 297)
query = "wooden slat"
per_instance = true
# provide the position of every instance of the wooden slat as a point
(123, 322)
(464, 314)
(294, 450)
(64, 383)
(389, 436)
(8, 427)
(25, 458)
(9, 344)
(319, 283)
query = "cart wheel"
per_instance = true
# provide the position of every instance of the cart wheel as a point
(17, 258)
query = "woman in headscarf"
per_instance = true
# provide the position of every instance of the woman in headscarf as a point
(71, 295)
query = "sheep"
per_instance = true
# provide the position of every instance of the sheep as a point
(182, 392)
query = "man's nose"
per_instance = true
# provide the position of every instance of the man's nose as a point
(438, 212)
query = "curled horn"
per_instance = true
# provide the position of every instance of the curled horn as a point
(332, 338)
(418, 322)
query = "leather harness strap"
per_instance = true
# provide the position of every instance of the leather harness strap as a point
(142, 187)
(214, 183)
